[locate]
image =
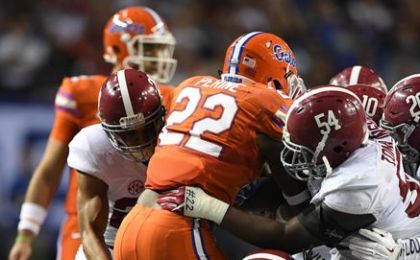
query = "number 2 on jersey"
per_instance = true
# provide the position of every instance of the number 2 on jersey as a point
(204, 124)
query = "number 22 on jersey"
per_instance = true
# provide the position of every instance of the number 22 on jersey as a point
(196, 101)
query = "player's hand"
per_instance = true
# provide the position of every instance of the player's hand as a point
(193, 202)
(374, 244)
(20, 251)
(173, 200)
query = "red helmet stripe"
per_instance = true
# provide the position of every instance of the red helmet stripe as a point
(354, 75)
(124, 93)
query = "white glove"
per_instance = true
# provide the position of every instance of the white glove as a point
(374, 244)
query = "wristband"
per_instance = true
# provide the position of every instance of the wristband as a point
(32, 216)
(21, 238)
(298, 198)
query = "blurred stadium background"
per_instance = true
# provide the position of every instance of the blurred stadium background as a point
(41, 41)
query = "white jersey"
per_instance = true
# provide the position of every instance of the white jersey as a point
(92, 153)
(372, 181)
(418, 173)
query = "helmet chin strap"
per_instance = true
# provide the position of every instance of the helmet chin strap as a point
(327, 166)
(319, 148)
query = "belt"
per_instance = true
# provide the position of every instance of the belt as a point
(148, 199)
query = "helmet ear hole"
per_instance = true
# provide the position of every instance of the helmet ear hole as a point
(277, 85)
(116, 49)
(338, 149)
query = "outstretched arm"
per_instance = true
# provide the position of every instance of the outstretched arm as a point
(264, 232)
(46, 178)
(267, 233)
(92, 204)
(316, 225)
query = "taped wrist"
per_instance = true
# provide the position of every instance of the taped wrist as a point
(21, 238)
(32, 216)
(200, 205)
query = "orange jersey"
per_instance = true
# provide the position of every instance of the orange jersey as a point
(166, 91)
(210, 135)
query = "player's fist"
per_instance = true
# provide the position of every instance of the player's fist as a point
(193, 202)
(374, 244)
(20, 251)
(173, 200)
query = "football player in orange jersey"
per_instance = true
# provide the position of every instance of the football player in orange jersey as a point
(209, 140)
(135, 37)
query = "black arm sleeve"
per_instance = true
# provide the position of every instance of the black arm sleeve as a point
(331, 226)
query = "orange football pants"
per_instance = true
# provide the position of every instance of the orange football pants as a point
(69, 239)
(155, 234)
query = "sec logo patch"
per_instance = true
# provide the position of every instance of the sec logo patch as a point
(135, 187)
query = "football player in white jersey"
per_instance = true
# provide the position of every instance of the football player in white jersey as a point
(402, 118)
(111, 157)
(357, 182)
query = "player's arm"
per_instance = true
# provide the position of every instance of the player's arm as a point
(41, 190)
(316, 225)
(270, 150)
(294, 192)
(92, 206)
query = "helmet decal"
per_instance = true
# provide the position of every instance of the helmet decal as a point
(119, 26)
(286, 56)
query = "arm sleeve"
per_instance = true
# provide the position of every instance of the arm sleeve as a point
(331, 226)
(314, 221)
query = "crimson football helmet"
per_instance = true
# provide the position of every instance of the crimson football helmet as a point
(137, 37)
(372, 99)
(358, 75)
(323, 127)
(402, 118)
(131, 113)
(264, 58)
